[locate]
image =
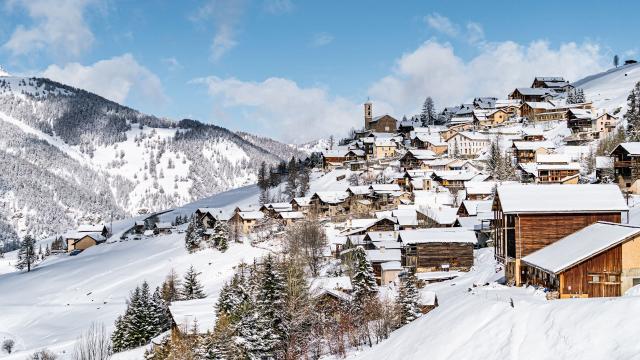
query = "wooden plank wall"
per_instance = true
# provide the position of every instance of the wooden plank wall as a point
(535, 231)
(435, 254)
(609, 262)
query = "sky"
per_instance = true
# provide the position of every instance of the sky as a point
(300, 70)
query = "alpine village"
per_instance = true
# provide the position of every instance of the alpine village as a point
(513, 217)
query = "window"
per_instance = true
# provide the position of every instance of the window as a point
(636, 281)
(594, 279)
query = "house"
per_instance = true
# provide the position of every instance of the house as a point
(384, 147)
(490, 118)
(437, 249)
(556, 168)
(335, 158)
(273, 209)
(90, 228)
(556, 83)
(384, 123)
(541, 111)
(453, 179)
(422, 141)
(532, 134)
(300, 204)
(328, 203)
(186, 314)
(626, 166)
(208, 216)
(604, 125)
(485, 102)
(600, 260)
(531, 94)
(467, 144)
(139, 227)
(414, 159)
(526, 151)
(580, 120)
(604, 169)
(290, 217)
(389, 272)
(479, 190)
(529, 217)
(83, 240)
(442, 217)
(472, 207)
(162, 228)
(510, 106)
(378, 257)
(245, 221)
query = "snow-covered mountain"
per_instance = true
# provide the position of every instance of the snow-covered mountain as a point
(69, 155)
(609, 89)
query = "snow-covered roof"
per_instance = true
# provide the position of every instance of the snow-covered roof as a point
(581, 245)
(383, 255)
(475, 206)
(452, 175)
(433, 235)
(533, 91)
(422, 154)
(633, 148)
(359, 190)
(332, 197)
(552, 159)
(251, 215)
(163, 225)
(335, 153)
(533, 145)
(558, 198)
(445, 215)
(428, 298)
(385, 188)
(391, 265)
(385, 142)
(604, 162)
(472, 135)
(569, 166)
(330, 283)
(302, 201)
(291, 215)
(91, 228)
(97, 236)
(479, 187)
(383, 235)
(387, 244)
(186, 313)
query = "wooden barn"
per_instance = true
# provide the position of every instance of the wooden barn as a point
(600, 260)
(437, 249)
(208, 216)
(528, 217)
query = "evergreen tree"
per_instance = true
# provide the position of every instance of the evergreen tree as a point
(363, 281)
(118, 336)
(27, 254)
(291, 189)
(140, 319)
(633, 114)
(271, 311)
(409, 299)
(616, 60)
(304, 180)
(494, 159)
(193, 235)
(428, 114)
(191, 288)
(220, 235)
(160, 312)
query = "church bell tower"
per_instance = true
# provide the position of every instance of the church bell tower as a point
(367, 114)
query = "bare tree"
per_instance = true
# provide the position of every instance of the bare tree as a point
(7, 345)
(43, 354)
(94, 344)
(307, 240)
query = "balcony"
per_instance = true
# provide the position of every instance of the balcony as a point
(622, 164)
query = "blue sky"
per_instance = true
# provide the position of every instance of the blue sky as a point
(300, 70)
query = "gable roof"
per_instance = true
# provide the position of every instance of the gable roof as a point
(91, 228)
(560, 198)
(251, 215)
(581, 245)
(633, 148)
(533, 145)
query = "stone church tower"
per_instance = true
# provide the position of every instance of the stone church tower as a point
(368, 114)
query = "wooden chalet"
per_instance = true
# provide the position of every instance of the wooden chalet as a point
(526, 151)
(328, 204)
(245, 221)
(557, 83)
(209, 216)
(378, 257)
(300, 204)
(414, 159)
(528, 217)
(433, 143)
(162, 228)
(83, 240)
(437, 249)
(453, 179)
(531, 94)
(290, 217)
(580, 120)
(273, 209)
(626, 166)
(600, 260)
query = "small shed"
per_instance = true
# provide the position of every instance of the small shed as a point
(437, 248)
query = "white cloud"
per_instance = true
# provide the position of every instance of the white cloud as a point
(58, 27)
(172, 63)
(118, 79)
(290, 112)
(278, 6)
(442, 24)
(225, 15)
(321, 39)
(433, 69)
(475, 33)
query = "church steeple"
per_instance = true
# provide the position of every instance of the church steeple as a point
(368, 114)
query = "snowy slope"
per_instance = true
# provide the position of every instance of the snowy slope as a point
(480, 323)
(609, 90)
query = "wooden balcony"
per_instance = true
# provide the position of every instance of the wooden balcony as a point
(622, 164)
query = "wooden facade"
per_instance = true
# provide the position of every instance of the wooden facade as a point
(384, 123)
(432, 256)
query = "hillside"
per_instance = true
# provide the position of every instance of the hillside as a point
(110, 159)
(609, 89)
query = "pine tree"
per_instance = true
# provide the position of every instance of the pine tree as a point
(27, 254)
(494, 160)
(271, 311)
(363, 281)
(141, 325)
(428, 114)
(409, 299)
(193, 235)
(191, 288)
(160, 312)
(304, 181)
(291, 189)
(220, 236)
(632, 116)
(118, 336)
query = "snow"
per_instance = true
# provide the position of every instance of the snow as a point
(609, 90)
(477, 321)
(557, 198)
(186, 313)
(580, 245)
(446, 235)
(633, 148)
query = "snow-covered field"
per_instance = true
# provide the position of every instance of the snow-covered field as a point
(609, 90)
(475, 320)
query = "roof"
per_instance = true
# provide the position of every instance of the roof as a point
(472, 135)
(387, 244)
(91, 228)
(479, 187)
(553, 159)
(359, 190)
(604, 162)
(533, 145)
(97, 236)
(330, 283)
(533, 91)
(559, 198)
(445, 215)
(251, 215)
(302, 201)
(332, 197)
(384, 188)
(391, 265)
(438, 235)
(541, 105)
(383, 255)
(475, 206)
(455, 175)
(383, 235)
(633, 148)
(422, 154)
(186, 313)
(163, 225)
(581, 245)
(291, 215)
